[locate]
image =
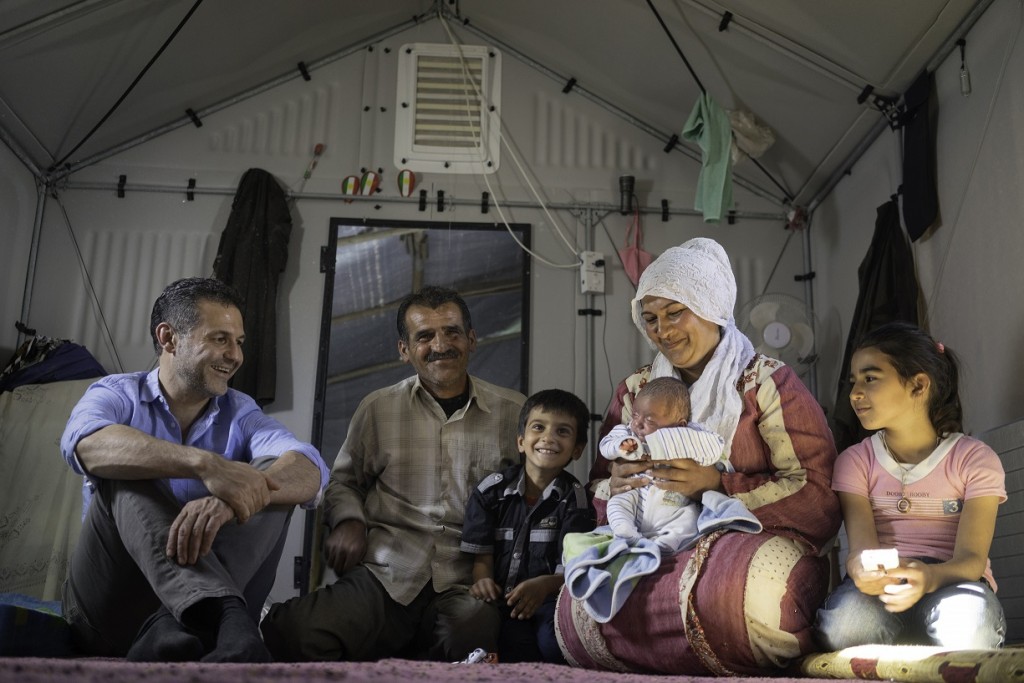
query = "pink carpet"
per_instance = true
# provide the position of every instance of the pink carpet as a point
(37, 670)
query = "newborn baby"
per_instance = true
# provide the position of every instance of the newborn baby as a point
(658, 430)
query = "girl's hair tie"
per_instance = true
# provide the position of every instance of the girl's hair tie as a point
(940, 346)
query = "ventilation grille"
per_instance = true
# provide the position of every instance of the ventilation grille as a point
(447, 113)
(447, 107)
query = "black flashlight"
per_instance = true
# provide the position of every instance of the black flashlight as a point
(626, 194)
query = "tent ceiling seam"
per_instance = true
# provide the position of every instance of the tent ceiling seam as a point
(787, 47)
(756, 31)
(135, 82)
(223, 104)
(67, 170)
(11, 35)
(911, 49)
(15, 147)
(614, 109)
(881, 124)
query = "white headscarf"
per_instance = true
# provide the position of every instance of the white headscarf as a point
(698, 275)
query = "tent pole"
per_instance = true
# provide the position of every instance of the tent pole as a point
(33, 258)
(880, 125)
(334, 196)
(41, 23)
(589, 227)
(15, 148)
(812, 374)
(788, 48)
(70, 168)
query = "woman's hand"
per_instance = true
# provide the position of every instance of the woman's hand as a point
(686, 476)
(622, 475)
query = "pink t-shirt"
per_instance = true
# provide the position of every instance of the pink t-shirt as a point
(958, 469)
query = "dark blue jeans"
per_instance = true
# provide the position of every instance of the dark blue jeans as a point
(530, 640)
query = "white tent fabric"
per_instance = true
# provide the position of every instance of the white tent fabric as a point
(801, 67)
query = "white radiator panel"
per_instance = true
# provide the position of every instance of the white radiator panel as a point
(288, 128)
(128, 271)
(752, 273)
(1007, 552)
(566, 138)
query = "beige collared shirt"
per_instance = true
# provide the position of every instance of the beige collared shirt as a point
(407, 471)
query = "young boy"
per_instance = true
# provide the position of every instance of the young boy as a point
(516, 520)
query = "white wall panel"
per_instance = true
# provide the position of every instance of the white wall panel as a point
(130, 249)
(969, 266)
(566, 137)
(126, 269)
(288, 128)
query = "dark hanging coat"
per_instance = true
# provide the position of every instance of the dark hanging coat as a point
(252, 254)
(888, 292)
(920, 191)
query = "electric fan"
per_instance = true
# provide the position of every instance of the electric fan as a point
(780, 326)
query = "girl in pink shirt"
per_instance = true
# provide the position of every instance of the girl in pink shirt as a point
(921, 487)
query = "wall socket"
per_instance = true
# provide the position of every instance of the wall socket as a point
(592, 272)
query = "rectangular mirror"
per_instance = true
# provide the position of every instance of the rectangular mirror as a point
(375, 265)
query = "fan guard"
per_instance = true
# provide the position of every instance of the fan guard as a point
(779, 326)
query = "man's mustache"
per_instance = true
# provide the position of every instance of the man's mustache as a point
(443, 355)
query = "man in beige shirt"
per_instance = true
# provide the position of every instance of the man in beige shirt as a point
(395, 505)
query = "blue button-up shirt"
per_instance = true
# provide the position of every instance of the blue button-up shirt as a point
(232, 425)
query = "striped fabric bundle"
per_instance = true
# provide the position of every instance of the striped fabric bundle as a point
(668, 443)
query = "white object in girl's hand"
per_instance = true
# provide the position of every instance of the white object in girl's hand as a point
(879, 558)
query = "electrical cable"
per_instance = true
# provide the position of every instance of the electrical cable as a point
(612, 383)
(520, 168)
(604, 226)
(88, 280)
(555, 225)
(131, 87)
(604, 344)
(777, 262)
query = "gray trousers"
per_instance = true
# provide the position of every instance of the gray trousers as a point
(120, 574)
(355, 619)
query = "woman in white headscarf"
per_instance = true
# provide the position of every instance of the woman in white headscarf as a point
(746, 602)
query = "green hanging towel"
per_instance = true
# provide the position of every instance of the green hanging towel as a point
(708, 125)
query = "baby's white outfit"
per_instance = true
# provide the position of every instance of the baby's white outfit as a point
(665, 517)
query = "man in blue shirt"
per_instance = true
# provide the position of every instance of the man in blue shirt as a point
(192, 487)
